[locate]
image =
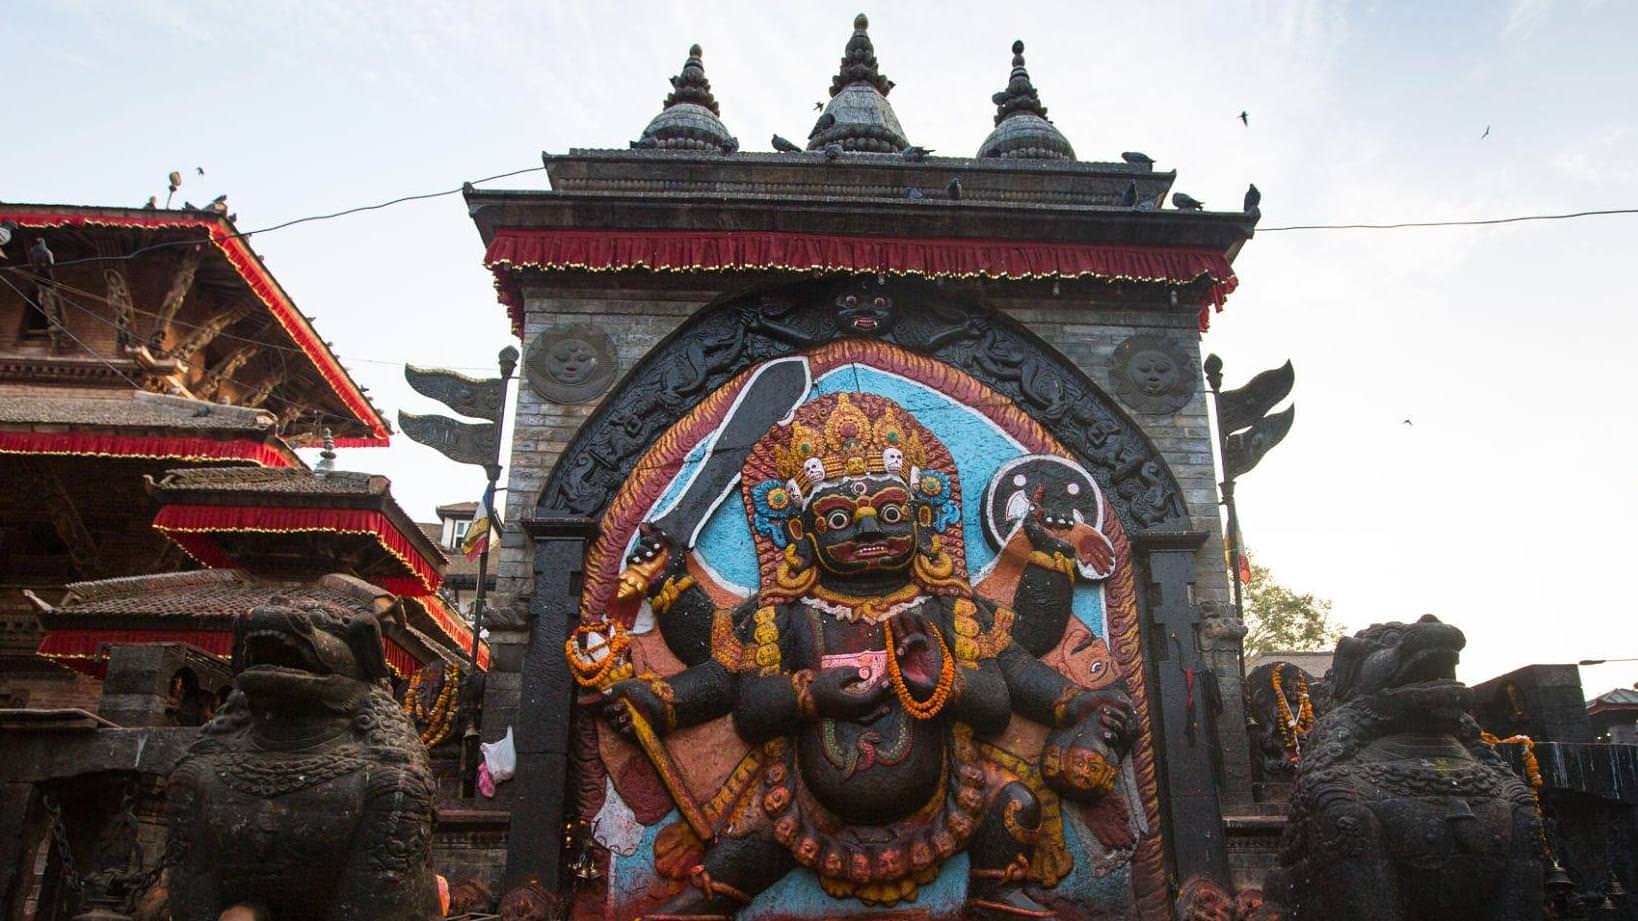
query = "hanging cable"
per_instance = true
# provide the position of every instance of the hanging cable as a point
(246, 234)
(1481, 222)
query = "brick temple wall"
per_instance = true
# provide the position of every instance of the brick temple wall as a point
(638, 316)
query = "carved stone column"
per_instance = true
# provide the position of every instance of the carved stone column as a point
(1185, 710)
(546, 704)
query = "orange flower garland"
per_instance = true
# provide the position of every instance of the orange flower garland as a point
(1532, 772)
(439, 718)
(920, 709)
(1293, 729)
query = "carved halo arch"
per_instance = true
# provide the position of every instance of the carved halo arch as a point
(746, 329)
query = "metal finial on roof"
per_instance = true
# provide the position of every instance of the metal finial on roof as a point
(859, 63)
(859, 116)
(689, 119)
(690, 86)
(327, 456)
(1022, 130)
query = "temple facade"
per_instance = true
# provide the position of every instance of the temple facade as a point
(1035, 318)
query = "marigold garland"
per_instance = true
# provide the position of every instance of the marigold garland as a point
(920, 709)
(438, 719)
(1532, 773)
(1293, 729)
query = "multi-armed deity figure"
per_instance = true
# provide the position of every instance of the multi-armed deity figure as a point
(867, 671)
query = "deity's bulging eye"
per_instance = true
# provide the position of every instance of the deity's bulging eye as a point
(892, 514)
(838, 519)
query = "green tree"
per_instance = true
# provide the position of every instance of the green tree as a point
(1277, 617)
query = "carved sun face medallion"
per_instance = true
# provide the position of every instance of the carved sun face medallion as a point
(861, 525)
(571, 364)
(1152, 374)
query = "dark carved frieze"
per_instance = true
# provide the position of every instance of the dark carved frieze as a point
(726, 339)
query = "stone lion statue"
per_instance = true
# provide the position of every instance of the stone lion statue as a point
(309, 793)
(1401, 812)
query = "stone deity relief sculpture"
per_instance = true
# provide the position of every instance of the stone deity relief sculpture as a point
(309, 793)
(901, 724)
(1400, 811)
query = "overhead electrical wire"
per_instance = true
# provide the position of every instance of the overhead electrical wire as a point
(245, 234)
(1477, 222)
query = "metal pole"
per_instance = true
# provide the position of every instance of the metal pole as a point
(508, 360)
(1214, 378)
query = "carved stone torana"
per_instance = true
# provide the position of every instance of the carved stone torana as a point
(1152, 374)
(725, 340)
(571, 364)
(858, 706)
(309, 793)
(1400, 811)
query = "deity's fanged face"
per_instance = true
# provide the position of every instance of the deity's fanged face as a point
(864, 314)
(860, 525)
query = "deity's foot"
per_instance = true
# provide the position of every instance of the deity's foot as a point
(995, 895)
(706, 900)
(1005, 906)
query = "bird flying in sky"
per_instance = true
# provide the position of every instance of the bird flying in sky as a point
(1486, 133)
(1245, 119)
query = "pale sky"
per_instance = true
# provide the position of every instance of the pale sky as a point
(1507, 508)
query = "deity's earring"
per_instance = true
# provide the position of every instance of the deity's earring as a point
(796, 574)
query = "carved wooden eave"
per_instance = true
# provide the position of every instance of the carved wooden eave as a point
(183, 291)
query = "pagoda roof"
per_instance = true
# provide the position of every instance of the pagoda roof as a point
(284, 522)
(1620, 699)
(201, 508)
(104, 236)
(136, 424)
(198, 609)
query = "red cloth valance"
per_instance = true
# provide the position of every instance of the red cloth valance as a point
(86, 651)
(85, 444)
(179, 521)
(693, 251)
(249, 266)
(450, 625)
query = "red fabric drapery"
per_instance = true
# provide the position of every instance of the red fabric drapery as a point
(86, 651)
(84, 444)
(244, 260)
(178, 521)
(450, 625)
(674, 251)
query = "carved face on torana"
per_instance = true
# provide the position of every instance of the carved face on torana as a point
(860, 525)
(1154, 372)
(572, 360)
(863, 314)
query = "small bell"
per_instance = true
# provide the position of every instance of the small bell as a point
(1558, 882)
(1615, 890)
(584, 868)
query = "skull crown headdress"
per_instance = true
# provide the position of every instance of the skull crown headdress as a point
(848, 443)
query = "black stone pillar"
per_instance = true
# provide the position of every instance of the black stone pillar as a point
(535, 841)
(1183, 706)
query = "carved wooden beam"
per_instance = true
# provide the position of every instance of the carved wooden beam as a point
(181, 284)
(289, 415)
(263, 390)
(217, 376)
(65, 518)
(207, 331)
(119, 298)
